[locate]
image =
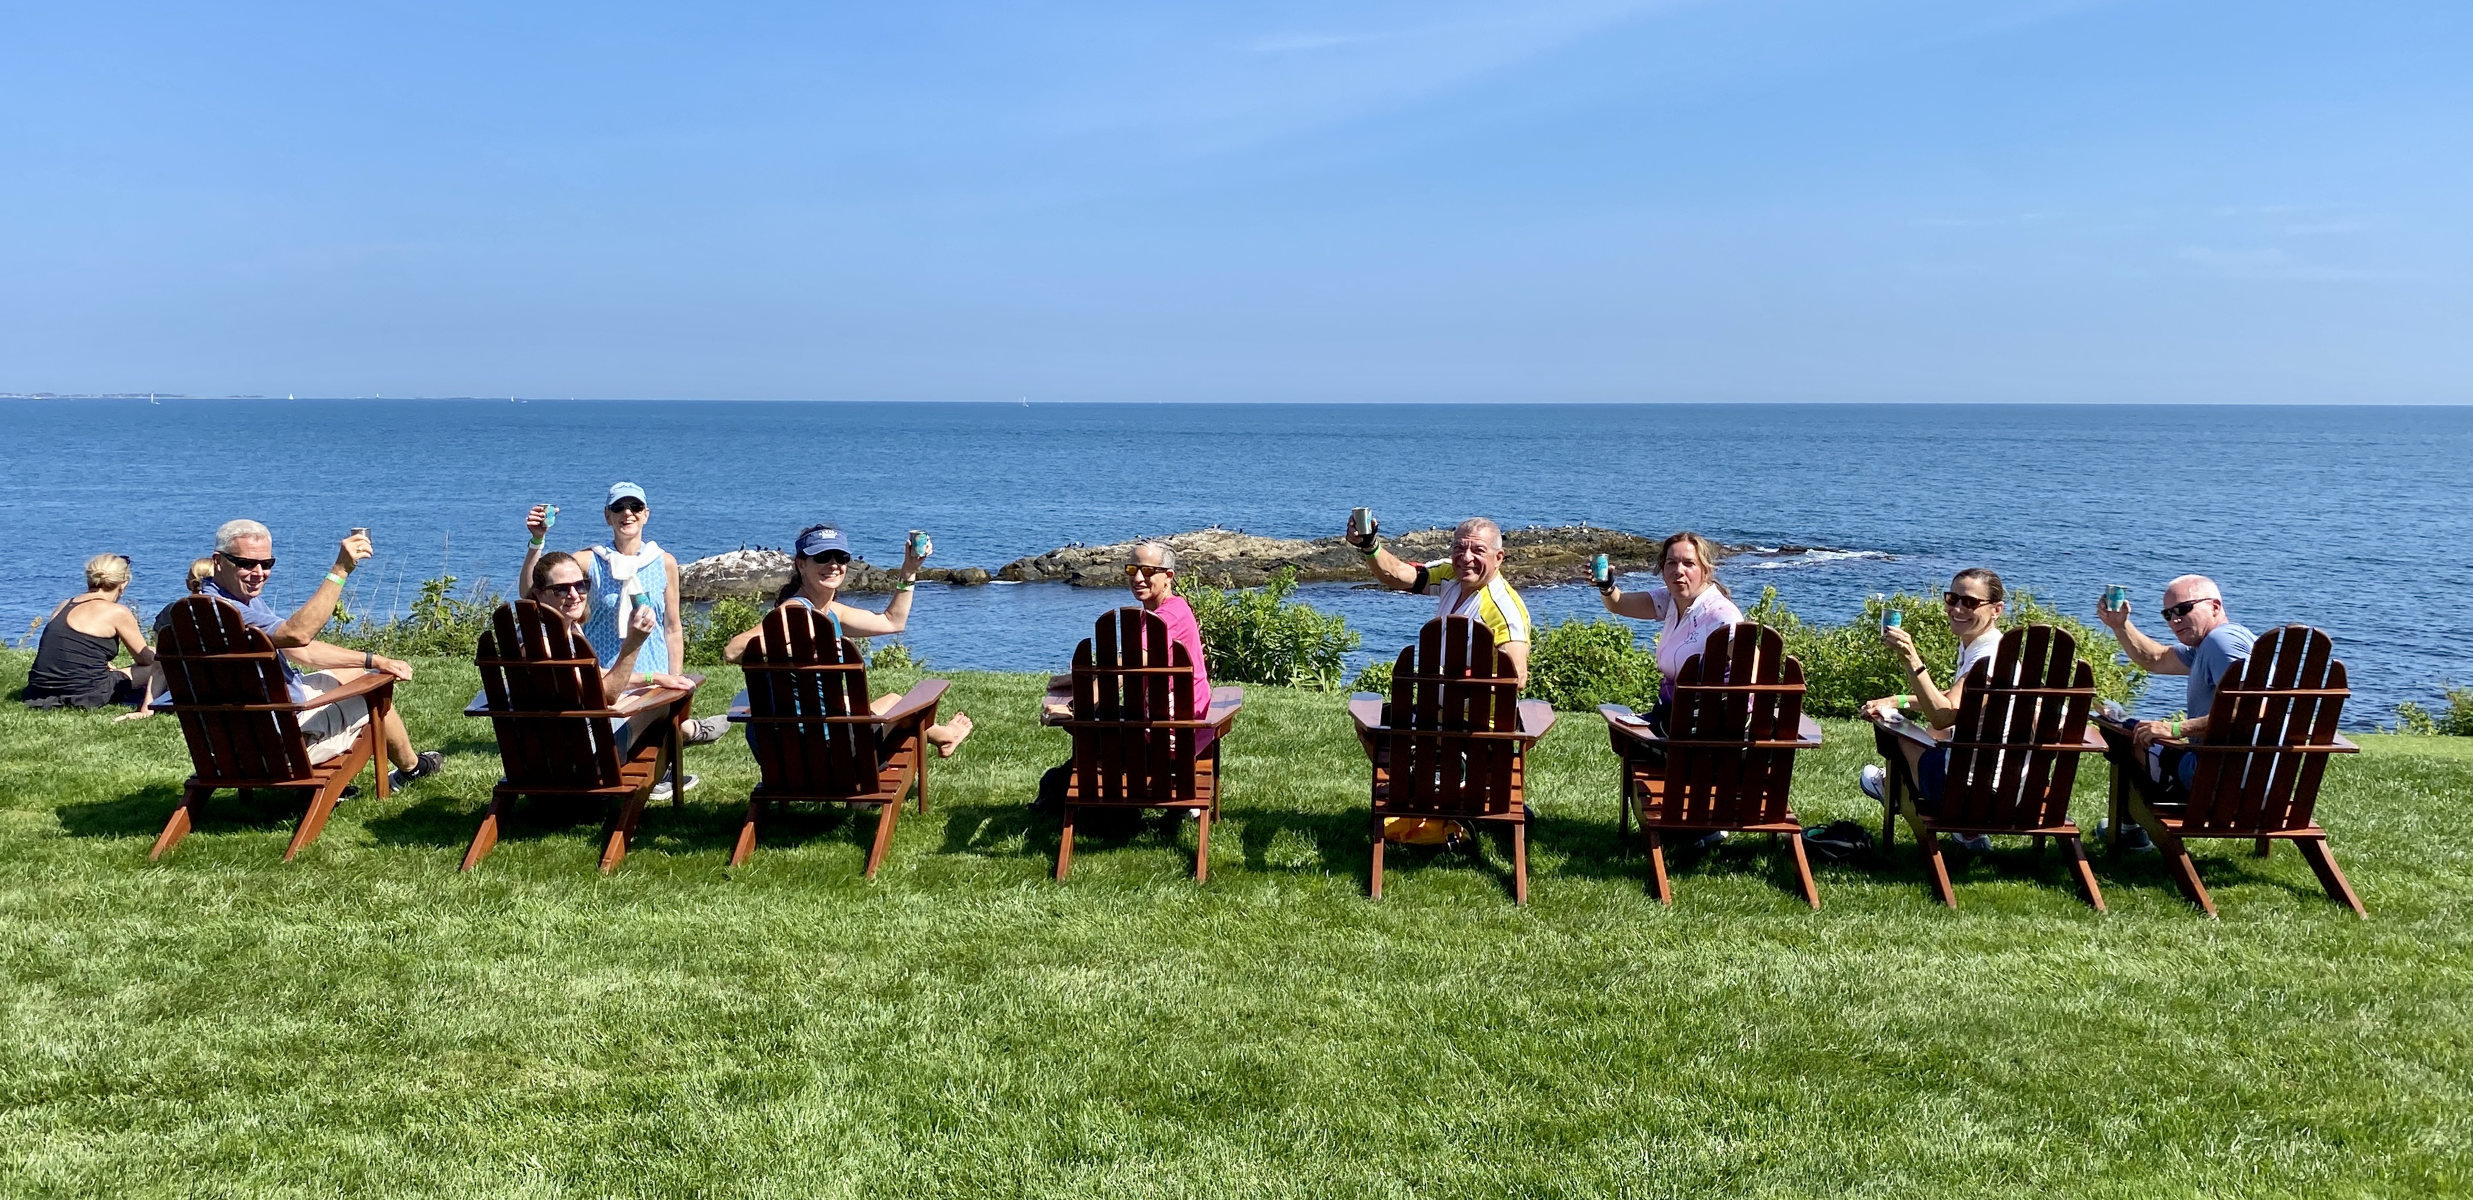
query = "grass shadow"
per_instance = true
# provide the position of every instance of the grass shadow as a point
(448, 821)
(143, 813)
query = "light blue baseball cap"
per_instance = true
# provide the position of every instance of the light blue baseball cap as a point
(626, 491)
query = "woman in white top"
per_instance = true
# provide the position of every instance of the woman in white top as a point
(1690, 604)
(1973, 604)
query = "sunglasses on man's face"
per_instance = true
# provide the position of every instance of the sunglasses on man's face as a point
(248, 564)
(2178, 611)
(1964, 603)
(1145, 571)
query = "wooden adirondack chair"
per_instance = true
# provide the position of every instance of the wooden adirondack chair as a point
(814, 736)
(2269, 735)
(2013, 754)
(1729, 753)
(243, 726)
(541, 690)
(1453, 742)
(1136, 736)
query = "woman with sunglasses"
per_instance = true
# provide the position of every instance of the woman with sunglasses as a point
(559, 583)
(1974, 606)
(629, 572)
(819, 565)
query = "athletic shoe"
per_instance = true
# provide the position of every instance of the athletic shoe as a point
(661, 790)
(1874, 781)
(1709, 841)
(1976, 843)
(424, 765)
(2133, 836)
(708, 730)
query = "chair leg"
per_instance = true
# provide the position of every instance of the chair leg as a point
(2323, 861)
(2265, 846)
(919, 747)
(1622, 817)
(746, 846)
(1803, 870)
(1378, 847)
(1202, 846)
(2085, 871)
(484, 839)
(1936, 867)
(886, 816)
(1064, 847)
(178, 827)
(1658, 886)
(313, 822)
(1519, 862)
(2176, 853)
(629, 812)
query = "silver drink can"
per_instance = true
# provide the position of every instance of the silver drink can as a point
(1360, 522)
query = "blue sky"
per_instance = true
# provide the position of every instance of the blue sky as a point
(2178, 200)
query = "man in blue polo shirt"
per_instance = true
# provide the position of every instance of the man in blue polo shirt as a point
(244, 561)
(2209, 646)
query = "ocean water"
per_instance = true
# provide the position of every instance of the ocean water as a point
(2352, 519)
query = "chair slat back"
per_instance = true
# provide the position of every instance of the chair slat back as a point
(1127, 678)
(809, 724)
(1731, 731)
(1453, 722)
(533, 666)
(2281, 708)
(211, 659)
(2011, 765)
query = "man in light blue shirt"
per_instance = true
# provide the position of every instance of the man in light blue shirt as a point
(2210, 646)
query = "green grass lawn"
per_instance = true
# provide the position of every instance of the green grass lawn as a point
(367, 1021)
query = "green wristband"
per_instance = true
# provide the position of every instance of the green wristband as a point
(333, 578)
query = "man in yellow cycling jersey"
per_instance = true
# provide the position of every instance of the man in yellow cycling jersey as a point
(1468, 584)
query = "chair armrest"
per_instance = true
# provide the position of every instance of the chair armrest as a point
(1536, 717)
(2344, 745)
(367, 683)
(1365, 708)
(738, 707)
(1622, 721)
(1225, 701)
(1808, 732)
(922, 696)
(1914, 731)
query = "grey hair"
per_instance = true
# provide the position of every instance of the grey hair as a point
(234, 530)
(2204, 589)
(1479, 525)
(1167, 557)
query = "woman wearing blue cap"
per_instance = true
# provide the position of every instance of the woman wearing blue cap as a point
(818, 568)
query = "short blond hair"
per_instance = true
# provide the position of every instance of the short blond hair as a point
(106, 571)
(200, 570)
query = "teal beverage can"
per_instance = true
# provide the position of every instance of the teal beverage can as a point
(919, 545)
(549, 517)
(1892, 619)
(2116, 598)
(1601, 571)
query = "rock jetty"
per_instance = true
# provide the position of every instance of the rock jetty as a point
(1225, 557)
(754, 573)
(1228, 558)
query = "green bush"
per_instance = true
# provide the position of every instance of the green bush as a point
(2456, 720)
(1845, 665)
(1375, 678)
(1576, 667)
(1251, 635)
(440, 625)
(712, 628)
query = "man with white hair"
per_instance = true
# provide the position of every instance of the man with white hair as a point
(1468, 584)
(2210, 646)
(244, 561)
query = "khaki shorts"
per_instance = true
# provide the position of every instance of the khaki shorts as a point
(330, 728)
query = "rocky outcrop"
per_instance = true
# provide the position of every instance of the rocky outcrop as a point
(760, 573)
(1557, 554)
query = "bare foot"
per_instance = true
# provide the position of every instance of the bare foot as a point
(950, 734)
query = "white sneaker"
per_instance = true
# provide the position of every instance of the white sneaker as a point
(707, 731)
(661, 790)
(1874, 781)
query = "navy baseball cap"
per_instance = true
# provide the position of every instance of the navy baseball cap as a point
(815, 542)
(626, 491)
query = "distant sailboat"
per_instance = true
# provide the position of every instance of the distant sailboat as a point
(287, 395)
(1026, 402)
(150, 398)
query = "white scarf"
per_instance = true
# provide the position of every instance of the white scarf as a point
(622, 567)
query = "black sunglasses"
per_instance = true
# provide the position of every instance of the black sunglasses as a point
(248, 564)
(2178, 611)
(830, 558)
(577, 588)
(628, 506)
(1967, 603)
